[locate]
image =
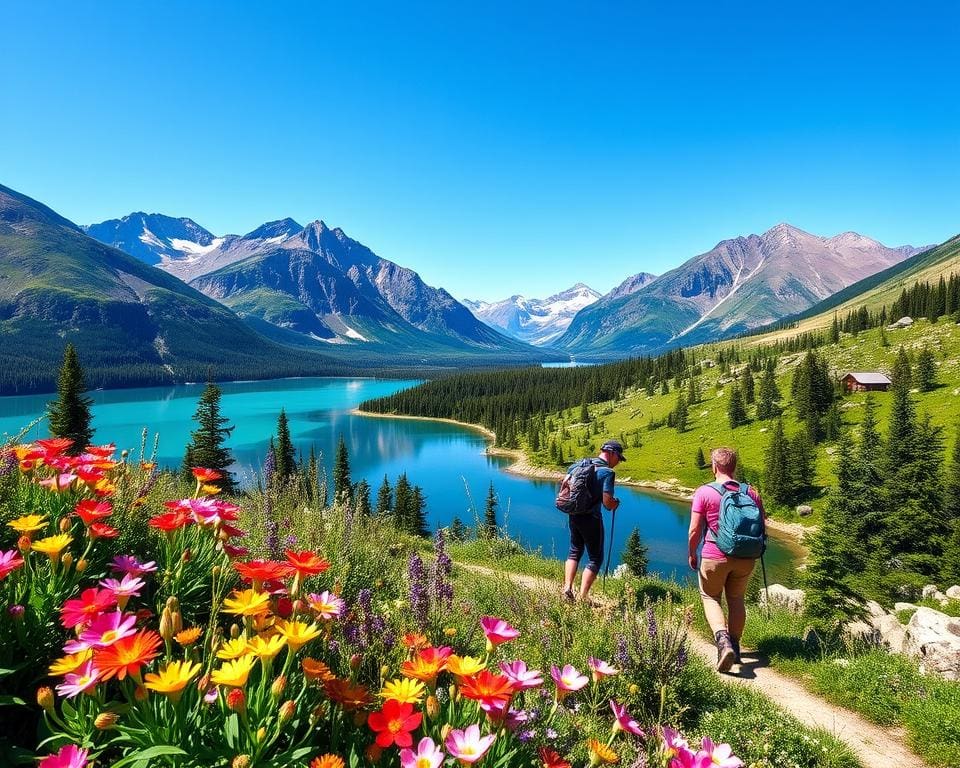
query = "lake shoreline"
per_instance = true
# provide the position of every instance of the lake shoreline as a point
(520, 465)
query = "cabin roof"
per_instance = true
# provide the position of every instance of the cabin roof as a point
(866, 377)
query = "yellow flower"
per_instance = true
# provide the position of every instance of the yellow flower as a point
(233, 649)
(189, 636)
(172, 679)
(403, 690)
(234, 674)
(52, 546)
(28, 523)
(450, 631)
(70, 663)
(298, 633)
(247, 603)
(601, 754)
(267, 647)
(464, 666)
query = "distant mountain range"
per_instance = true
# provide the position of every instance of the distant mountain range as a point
(535, 321)
(313, 281)
(740, 284)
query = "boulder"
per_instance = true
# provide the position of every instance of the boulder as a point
(892, 633)
(779, 595)
(874, 610)
(940, 597)
(954, 592)
(929, 590)
(897, 607)
(861, 633)
(804, 510)
(933, 638)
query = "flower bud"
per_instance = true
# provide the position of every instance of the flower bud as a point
(23, 544)
(278, 687)
(634, 689)
(355, 660)
(384, 671)
(261, 733)
(234, 631)
(445, 731)
(166, 626)
(45, 698)
(185, 557)
(216, 571)
(287, 710)
(237, 700)
(65, 525)
(433, 707)
(105, 721)
(241, 761)
(140, 693)
(319, 711)
(373, 753)
(16, 612)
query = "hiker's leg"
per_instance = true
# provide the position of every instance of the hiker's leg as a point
(577, 547)
(736, 591)
(711, 577)
(592, 528)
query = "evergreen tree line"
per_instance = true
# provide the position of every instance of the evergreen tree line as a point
(892, 522)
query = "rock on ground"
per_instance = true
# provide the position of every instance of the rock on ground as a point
(934, 639)
(779, 595)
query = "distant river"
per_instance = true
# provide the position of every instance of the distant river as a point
(448, 461)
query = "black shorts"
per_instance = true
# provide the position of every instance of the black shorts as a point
(586, 532)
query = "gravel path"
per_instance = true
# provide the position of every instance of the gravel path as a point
(876, 747)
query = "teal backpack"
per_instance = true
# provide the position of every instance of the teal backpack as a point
(741, 531)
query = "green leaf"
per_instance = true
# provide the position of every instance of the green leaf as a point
(7, 701)
(145, 755)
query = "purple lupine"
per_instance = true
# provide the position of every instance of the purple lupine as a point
(621, 656)
(389, 640)
(419, 593)
(7, 462)
(681, 662)
(651, 623)
(147, 484)
(442, 568)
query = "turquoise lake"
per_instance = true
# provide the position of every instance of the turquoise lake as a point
(446, 460)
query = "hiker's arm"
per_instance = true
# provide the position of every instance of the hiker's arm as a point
(695, 534)
(610, 502)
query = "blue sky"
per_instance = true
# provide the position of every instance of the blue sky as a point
(497, 148)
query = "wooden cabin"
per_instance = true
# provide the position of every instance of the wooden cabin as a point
(861, 381)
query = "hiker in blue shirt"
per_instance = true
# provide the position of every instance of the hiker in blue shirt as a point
(586, 530)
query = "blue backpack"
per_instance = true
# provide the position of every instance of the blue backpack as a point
(741, 531)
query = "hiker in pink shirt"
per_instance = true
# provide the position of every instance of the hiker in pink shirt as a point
(720, 574)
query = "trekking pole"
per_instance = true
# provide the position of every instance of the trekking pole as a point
(606, 572)
(766, 590)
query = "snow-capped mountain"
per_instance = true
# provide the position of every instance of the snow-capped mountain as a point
(535, 321)
(155, 238)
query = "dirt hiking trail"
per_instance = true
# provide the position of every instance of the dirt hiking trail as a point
(874, 746)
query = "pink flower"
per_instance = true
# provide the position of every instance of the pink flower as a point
(130, 565)
(69, 756)
(673, 742)
(721, 755)
(127, 587)
(235, 552)
(497, 631)
(210, 697)
(107, 628)
(687, 759)
(75, 683)
(81, 610)
(624, 721)
(601, 669)
(568, 680)
(467, 746)
(326, 605)
(521, 677)
(9, 561)
(59, 482)
(428, 755)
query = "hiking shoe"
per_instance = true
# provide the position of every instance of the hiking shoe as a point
(569, 596)
(726, 655)
(736, 650)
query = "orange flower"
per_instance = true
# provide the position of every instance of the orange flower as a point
(601, 754)
(189, 636)
(205, 475)
(415, 640)
(127, 655)
(259, 571)
(350, 696)
(327, 761)
(316, 670)
(487, 687)
(307, 563)
(426, 665)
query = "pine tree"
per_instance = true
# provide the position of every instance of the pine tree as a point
(311, 477)
(801, 461)
(926, 370)
(635, 554)
(402, 497)
(680, 413)
(458, 531)
(384, 498)
(584, 413)
(417, 514)
(776, 471)
(206, 447)
(693, 391)
(700, 460)
(342, 483)
(285, 452)
(902, 375)
(746, 381)
(69, 415)
(736, 411)
(768, 396)
(361, 498)
(665, 387)
(831, 596)
(834, 330)
(490, 526)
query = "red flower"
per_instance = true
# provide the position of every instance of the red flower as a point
(169, 521)
(101, 451)
(89, 510)
(103, 531)
(394, 723)
(550, 759)
(263, 570)
(307, 563)
(205, 475)
(84, 609)
(487, 687)
(54, 446)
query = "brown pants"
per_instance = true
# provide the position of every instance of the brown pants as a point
(728, 577)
